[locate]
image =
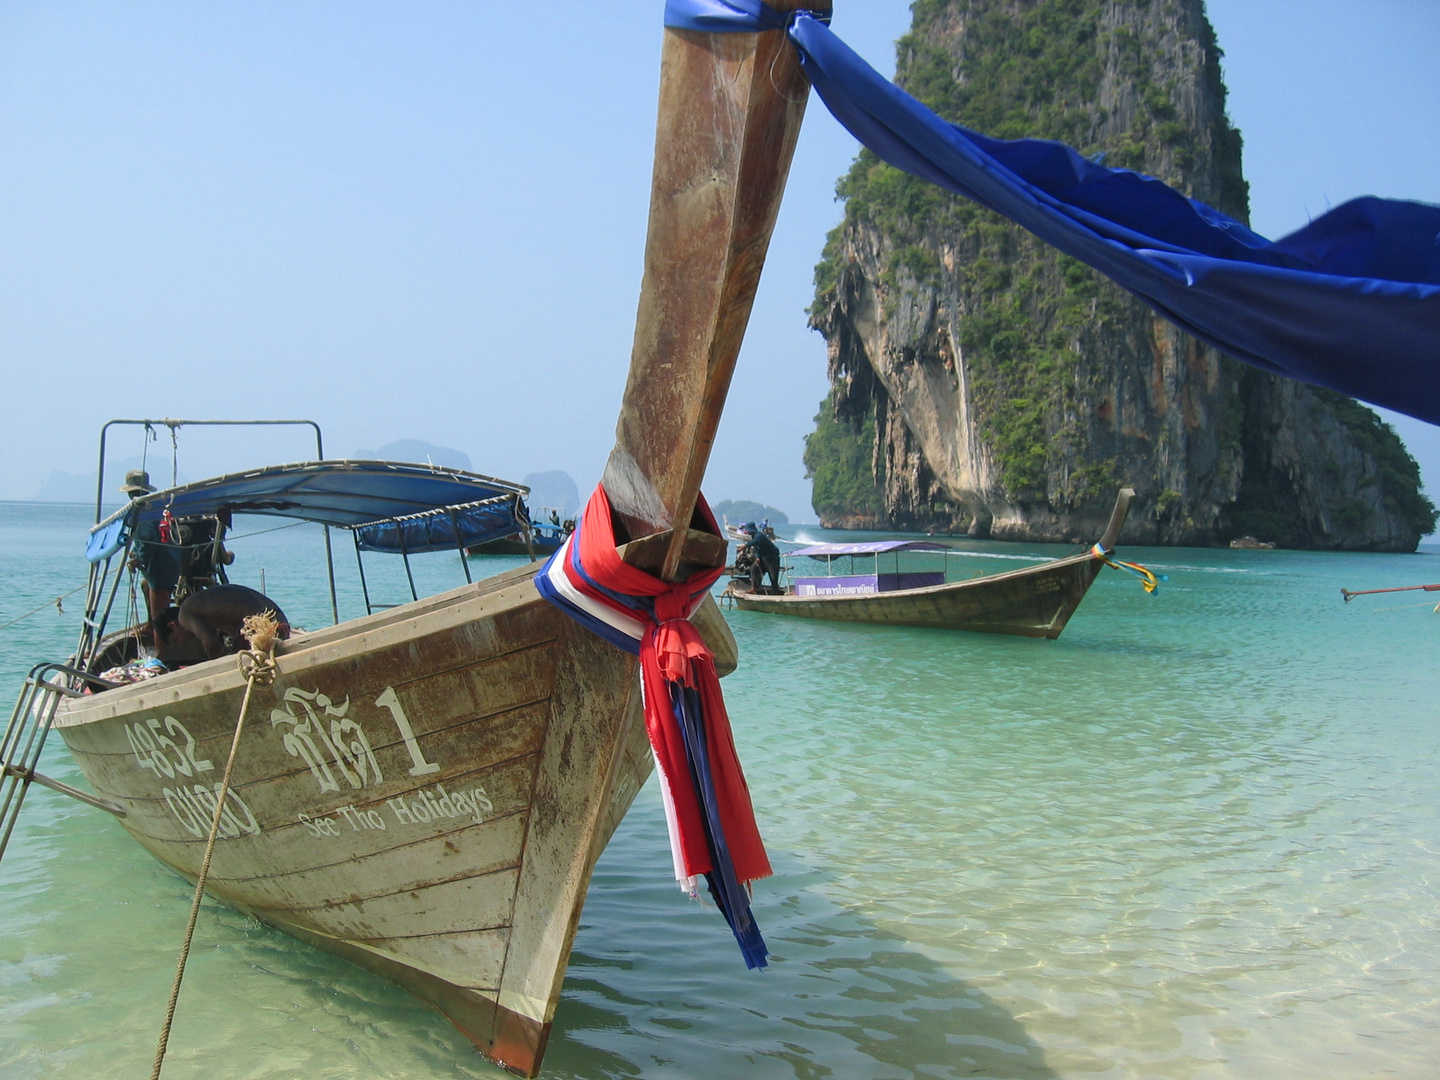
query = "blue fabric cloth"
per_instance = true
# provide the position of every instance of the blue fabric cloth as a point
(1351, 301)
(728, 16)
(444, 529)
(728, 892)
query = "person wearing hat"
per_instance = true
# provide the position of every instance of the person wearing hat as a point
(137, 483)
(157, 561)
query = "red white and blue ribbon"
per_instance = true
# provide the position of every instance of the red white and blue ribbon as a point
(707, 803)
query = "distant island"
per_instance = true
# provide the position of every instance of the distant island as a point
(80, 487)
(553, 490)
(68, 487)
(417, 451)
(739, 511)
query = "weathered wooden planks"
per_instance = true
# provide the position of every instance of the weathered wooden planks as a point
(449, 853)
(386, 787)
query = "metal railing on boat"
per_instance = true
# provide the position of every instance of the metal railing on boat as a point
(24, 741)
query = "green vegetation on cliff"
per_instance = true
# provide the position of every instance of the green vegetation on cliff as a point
(979, 375)
(1027, 70)
(1264, 509)
(1399, 473)
(837, 460)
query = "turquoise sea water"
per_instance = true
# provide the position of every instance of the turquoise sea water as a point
(1195, 837)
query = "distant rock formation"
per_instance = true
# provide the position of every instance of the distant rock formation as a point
(417, 452)
(554, 490)
(68, 487)
(740, 511)
(982, 382)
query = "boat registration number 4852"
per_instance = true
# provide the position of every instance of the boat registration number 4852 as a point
(335, 752)
(154, 744)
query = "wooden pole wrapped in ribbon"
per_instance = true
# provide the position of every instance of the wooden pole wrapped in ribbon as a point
(647, 548)
(712, 826)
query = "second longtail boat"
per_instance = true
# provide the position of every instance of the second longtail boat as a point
(1036, 601)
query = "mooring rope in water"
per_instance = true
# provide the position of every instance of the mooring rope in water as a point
(1403, 607)
(48, 603)
(257, 665)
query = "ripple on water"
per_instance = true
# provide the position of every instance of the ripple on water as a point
(1195, 837)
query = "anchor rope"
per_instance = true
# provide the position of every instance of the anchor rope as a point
(42, 607)
(257, 664)
(1402, 607)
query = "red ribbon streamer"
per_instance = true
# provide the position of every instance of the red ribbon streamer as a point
(672, 650)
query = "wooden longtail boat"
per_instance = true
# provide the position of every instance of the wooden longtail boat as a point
(543, 541)
(426, 789)
(1036, 601)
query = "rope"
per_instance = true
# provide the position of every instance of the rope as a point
(257, 665)
(261, 532)
(1402, 607)
(48, 603)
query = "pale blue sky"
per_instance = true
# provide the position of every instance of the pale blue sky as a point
(426, 220)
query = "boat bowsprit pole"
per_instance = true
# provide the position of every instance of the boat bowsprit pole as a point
(1350, 594)
(647, 549)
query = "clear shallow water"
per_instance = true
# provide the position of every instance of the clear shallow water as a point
(1195, 837)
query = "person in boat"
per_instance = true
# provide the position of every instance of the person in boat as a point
(203, 555)
(212, 618)
(765, 558)
(151, 552)
(744, 560)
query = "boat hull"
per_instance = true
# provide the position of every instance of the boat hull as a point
(1032, 602)
(423, 792)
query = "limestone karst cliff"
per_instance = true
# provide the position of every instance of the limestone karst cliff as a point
(981, 381)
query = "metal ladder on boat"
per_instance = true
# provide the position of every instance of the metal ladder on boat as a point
(24, 740)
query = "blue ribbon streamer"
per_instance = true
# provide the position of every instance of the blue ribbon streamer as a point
(731, 897)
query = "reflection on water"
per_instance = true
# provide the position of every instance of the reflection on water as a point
(1194, 837)
(654, 991)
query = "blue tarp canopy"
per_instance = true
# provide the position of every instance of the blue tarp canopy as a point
(1351, 301)
(869, 547)
(391, 507)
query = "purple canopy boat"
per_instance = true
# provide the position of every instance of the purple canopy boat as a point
(1035, 601)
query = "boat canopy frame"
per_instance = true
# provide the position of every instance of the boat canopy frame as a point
(830, 552)
(391, 507)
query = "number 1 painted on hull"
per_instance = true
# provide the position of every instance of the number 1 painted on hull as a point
(390, 700)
